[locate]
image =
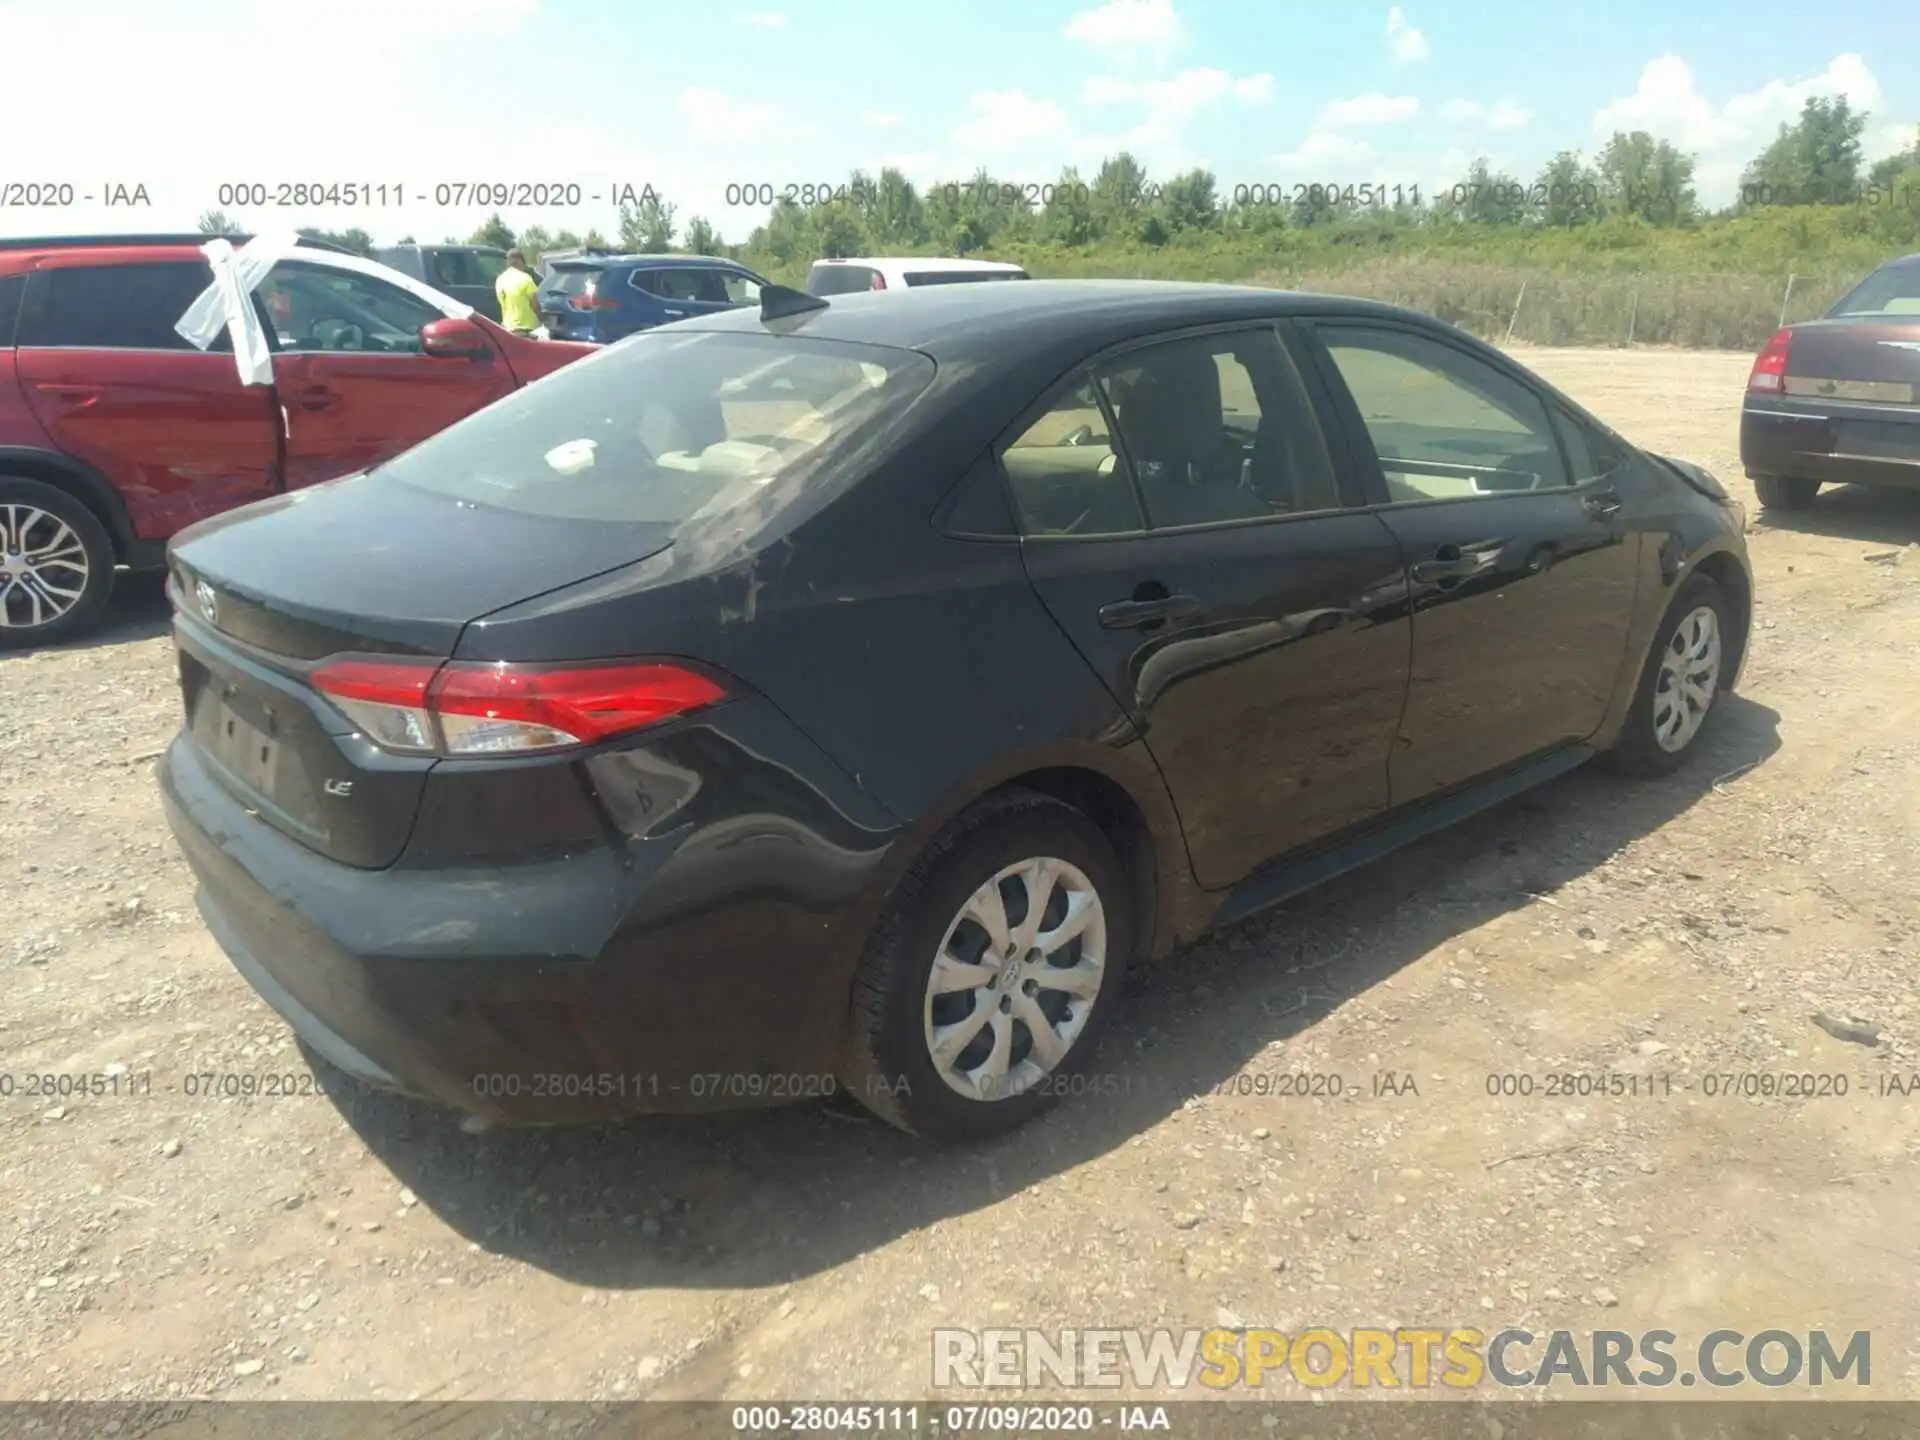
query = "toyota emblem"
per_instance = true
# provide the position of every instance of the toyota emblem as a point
(209, 602)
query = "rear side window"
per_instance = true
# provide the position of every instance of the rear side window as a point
(842, 279)
(1890, 290)
(570, 281)
(668, 428)
(12, 287)
(467, 267)
(112, 307)
(958, 277)
(689, 282)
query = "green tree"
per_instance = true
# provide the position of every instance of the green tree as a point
(647, 228)
(496, 232)
(1813, 161)
(215, 222)
(894, 212)
(594, 240)
(535, 242)
(406, 240)
(1886, 172)
(1490, 197)
(1647, 179)
(1119, 196)
(566, 240)
(1066, 211)
(1568, 190)
(702, 238)
(1190, 202)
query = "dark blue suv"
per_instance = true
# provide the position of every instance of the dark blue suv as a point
(600, 298)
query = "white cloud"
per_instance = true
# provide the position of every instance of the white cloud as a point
(1884, 140)
(1007, 120)
(1127, 24)
(1405, 43)
(1500, 115)
(1323, 147)
(1725, 136)
(1373, 109)
(767, 19)
(1179, 97)
(880, 119)
(719, 118)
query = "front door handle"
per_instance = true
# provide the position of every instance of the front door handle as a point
(1603, 505)
(318, 397)
(1129, 614)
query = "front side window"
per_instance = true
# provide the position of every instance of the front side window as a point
(668, 428)
(741, 289)
(317, 308)
(1220, 428)
(114, 307)
(1446, 426)
(1065, 475)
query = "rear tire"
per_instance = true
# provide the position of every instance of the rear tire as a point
(1681, 686)
(969, 1061)
(56, 565)
(1785, 492)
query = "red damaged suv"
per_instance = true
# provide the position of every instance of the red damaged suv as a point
(115, 431)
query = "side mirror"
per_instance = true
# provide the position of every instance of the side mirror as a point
(452, 339)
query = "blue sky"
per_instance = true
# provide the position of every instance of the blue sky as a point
(691, 98)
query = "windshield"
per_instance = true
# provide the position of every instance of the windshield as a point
(666, 428)
(1892, 290)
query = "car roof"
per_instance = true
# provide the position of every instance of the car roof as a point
(652, 262)
(979, 321)
(915, 264)
(28, 252)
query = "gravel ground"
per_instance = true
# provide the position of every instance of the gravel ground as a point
(329, 1243)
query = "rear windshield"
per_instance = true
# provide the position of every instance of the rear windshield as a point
(840, 279)
(571, 281)
(1893, 290)
(667, 428)
(961, 277)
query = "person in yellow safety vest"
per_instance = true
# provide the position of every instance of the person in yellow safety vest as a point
(516, 289)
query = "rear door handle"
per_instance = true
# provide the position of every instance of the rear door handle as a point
(318, 397)
(1127, 614)
(1603, 505)
(72, 394)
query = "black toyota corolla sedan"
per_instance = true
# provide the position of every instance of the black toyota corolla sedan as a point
(842, 695)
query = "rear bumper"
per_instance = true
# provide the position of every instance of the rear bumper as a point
(1833, 443)
(681, 972)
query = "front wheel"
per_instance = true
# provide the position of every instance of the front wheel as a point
(56, 565)
(1683, 680)
(988, 979)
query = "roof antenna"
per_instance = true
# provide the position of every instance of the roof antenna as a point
(777, 302)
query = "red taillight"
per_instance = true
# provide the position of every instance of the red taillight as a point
(1770, 366)
(879, 281)
(589, 299)
(474, 708)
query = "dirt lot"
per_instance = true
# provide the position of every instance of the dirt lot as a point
(342, 1244)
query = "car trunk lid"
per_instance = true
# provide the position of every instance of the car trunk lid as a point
(262, 597)
(1874, 362)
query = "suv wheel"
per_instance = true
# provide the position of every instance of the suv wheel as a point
(1681, 684)
(992, 972)
(56, 564)
(1785, 492)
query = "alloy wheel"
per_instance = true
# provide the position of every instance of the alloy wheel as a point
(1689, 678)
(43, 567)
(1015, 979)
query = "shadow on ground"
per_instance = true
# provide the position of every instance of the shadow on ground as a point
(764, 1198)
(137, 610)
(1873, 513)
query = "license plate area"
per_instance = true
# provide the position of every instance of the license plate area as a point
(247, 752)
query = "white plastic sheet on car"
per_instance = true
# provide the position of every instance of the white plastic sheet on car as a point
(227, 304)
